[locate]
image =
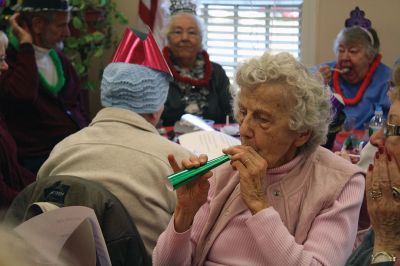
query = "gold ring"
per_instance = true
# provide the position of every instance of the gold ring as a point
(396, 192)
(375, 194)
(245, 161)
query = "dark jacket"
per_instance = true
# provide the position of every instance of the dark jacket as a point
(219, 99)
(13, 177)
(123, 241)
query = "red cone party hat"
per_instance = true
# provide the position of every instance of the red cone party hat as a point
(140, 48)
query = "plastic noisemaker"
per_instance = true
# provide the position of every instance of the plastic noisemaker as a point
(181, 178)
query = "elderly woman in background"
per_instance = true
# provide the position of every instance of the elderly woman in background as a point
(13, 177)
(382, 245)
(358, 77)
(283, 199)
(200, 87)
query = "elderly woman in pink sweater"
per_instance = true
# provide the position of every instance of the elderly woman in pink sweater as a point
(283, 199)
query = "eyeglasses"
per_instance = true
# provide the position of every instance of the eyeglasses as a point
(391, 130)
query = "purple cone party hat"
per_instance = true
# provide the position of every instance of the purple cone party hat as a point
(357, 18)
(140, 48)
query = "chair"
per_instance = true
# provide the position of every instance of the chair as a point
(123, 241)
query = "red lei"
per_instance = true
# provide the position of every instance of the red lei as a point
(364, 84)
(194, 82)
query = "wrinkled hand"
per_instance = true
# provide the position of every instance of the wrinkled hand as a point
(326, 73)
(20, 31)
(384, 209)
(252, 170)
(191, 196)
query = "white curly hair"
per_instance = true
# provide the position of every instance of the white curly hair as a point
(312, 108)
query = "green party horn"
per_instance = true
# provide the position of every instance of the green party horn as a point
(181, 178)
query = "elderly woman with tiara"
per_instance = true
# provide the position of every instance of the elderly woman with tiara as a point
(358, 76)
(200, 87)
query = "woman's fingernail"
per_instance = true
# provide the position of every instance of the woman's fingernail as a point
(380, 150)
(377, 155)
(370, 167)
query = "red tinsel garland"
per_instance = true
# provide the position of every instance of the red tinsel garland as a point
(194, 82)
(364, 84)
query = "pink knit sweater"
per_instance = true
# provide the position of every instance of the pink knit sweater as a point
(264, 239)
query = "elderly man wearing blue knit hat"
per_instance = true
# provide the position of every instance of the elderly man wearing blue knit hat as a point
(122, 149)
(136, 88)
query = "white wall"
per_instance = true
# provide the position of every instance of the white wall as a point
(130, 9)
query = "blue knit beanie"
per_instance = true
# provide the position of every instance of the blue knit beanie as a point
(134, 87)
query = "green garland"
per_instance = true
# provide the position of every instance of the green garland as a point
(55, 89)
(12, 39)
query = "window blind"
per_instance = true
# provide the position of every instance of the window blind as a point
(237, 30)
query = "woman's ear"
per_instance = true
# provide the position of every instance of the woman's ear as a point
(302, 138)
(153, 118)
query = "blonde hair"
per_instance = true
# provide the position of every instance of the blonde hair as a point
(14, 250)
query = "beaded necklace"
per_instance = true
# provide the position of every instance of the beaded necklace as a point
(194, 82)
(363, 87)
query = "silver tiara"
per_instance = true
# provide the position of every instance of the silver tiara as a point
(178, 6)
